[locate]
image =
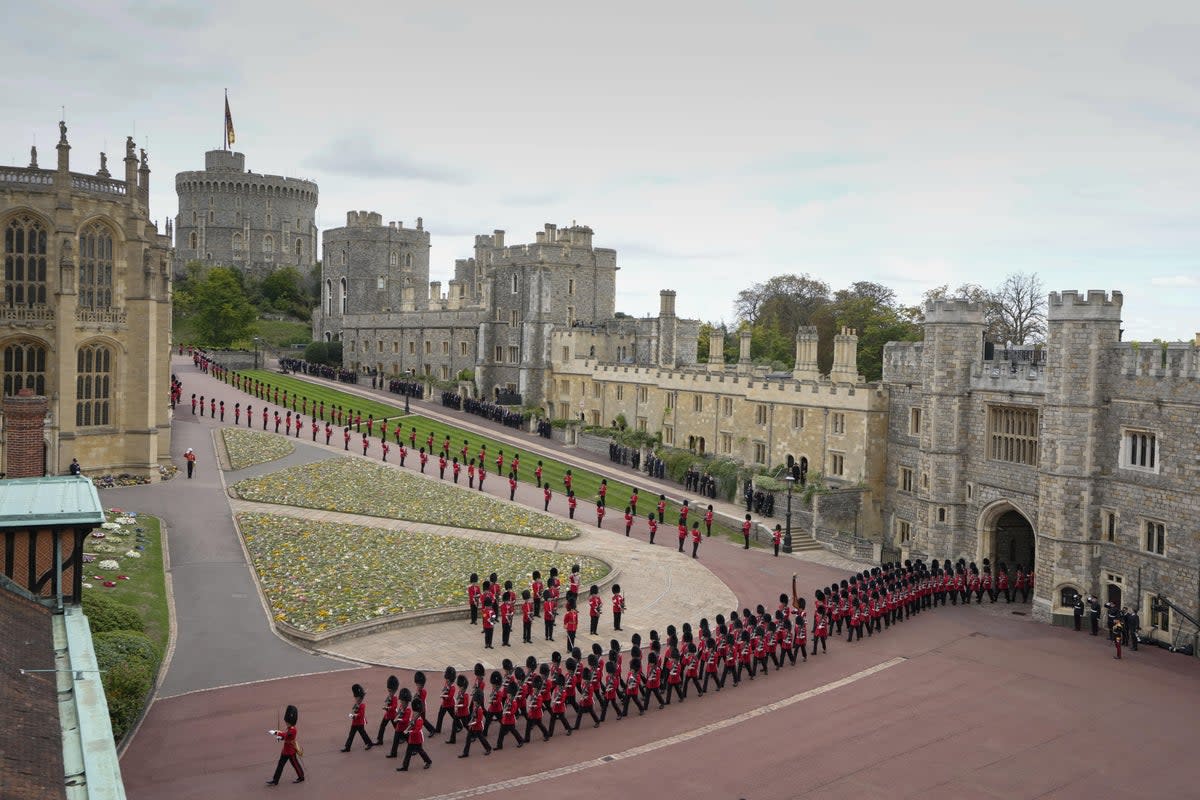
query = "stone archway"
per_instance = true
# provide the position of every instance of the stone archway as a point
(1006, 536)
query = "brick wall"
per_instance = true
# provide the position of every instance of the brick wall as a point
(24, 417)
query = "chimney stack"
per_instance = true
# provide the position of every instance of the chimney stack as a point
(806, 354)
(25, 448)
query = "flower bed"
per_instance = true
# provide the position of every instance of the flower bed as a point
(321, 576)
(246, 448)
(355, 486)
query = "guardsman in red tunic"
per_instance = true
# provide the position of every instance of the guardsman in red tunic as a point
(512, 486)
(358, 718)
(222, 411)
(595, 606)
(500, 463)
(662, 507)
(212, 407)
(471, 474)
(482, 475)
(682, 532)
(365, 443)
(633, 498)
(194, 404)
(202, 404)
(546, 498)
(536, 586)
(446, 446)
(289, 753)
(599, 515)
(447, 702)
(507, 612)
(570, 625)
(628, 519)
(527, 614)
(315, 428)
(370, 424)
(455, 468)
(249, 416)
(508, 715)
(391, 706)
(558, 704)
(777, 539)
(612, 683)
(695, 538)
(383, 429)
(708, 519)
(473, 597)
(570, 504)
(652, 523)
(567, 481)
(633, 688)
(549, 613)
(712, 660)
(586, 703)
(462, 707)
(442, 467)
(416, 737)
(537, 473)
(475, 725)
(653, 683)
(1002, 583)
(278, 420)
(424, 457)
(618, 606)
(746, 525)
(237, 413)
(429, 442)
(573, 583)
(265, 417)
(403, 453)
(603, 491)
(489, 624)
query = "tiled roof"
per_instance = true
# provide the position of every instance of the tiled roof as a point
(31, 749)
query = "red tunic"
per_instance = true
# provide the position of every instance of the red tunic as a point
(595, 604)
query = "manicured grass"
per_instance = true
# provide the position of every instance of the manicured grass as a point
(585, 483)
(318, 392)
(355, 486)
(278, 333)
(246, 447)
(320, 576)
(145, 590)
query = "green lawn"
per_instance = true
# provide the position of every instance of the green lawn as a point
(145, 591)
(318, 576)
(585, 483)
(318, 392)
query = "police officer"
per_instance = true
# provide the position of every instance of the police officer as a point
(1078, 612)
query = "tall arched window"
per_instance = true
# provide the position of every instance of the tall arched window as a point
(193, 242)
(237, 243)
(299, 248)
(93, 385)
(328, 296)
(342, 295)
(95, 267)
(268, 244)
(24, 261)
(393, 259)
(24, 368)
(514, 283)
(408, 259)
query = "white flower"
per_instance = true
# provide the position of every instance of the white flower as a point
(124, 520)
(87, 585)
(109, 563)
(133, 554)
(109, 526)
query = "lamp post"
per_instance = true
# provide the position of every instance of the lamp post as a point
(787, 533)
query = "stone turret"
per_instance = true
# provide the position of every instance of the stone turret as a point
(1080, 331)
(806, 368)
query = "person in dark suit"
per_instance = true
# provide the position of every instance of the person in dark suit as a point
(1094, 614)
(1132, 623)
(1078, 612)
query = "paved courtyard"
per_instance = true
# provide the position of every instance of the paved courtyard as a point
(962, 702)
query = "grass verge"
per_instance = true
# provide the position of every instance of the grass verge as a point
(316, 392)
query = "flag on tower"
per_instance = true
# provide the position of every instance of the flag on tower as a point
(229, 137)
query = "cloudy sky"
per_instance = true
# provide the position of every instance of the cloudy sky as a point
(713, 145)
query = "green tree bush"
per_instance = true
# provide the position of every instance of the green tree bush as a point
(105, 614)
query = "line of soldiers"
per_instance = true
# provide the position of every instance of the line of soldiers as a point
(539, 696)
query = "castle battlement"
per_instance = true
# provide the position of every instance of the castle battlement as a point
(949, 310)
(1172, 360)
(1098, 305)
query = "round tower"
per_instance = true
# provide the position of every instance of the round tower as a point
(231, 217)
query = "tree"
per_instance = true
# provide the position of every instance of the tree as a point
(222, 312)
(1020, 309)
(316, 352)
(1014, 312)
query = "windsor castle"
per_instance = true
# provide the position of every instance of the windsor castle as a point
(1078, 459)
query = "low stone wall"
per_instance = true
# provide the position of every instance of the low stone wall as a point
(593, 444)
(848, 545)
(237, 360)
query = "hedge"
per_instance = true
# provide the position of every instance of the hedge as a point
(105, 614)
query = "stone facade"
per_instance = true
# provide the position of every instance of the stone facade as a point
(829, 424)
(1079, 458)
(497, 317)
(233, 218)
(86, 316)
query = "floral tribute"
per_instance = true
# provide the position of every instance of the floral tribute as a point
(247, 448)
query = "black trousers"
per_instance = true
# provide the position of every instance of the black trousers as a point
(589, 710)
(505, 633)
(548, 624)
(504, 731)
(474, 614)
(1095, 625)
(475, 736)
(637, 701)
(530, 724)
(559, 716)
(527, 631)
(570, 641)
(442, 714)
(488, 635)
(361, 731)
(294, 761)
(415, 749)
(695, 547)
(716, 678)
(383, 723)
(1078, 622)
(617, 621)
(595, 621)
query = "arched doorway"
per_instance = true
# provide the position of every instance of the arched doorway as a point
(700, 445)
(1006, 536)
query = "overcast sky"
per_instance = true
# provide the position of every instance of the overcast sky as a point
(712, 145)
